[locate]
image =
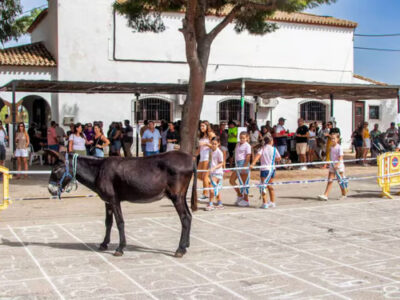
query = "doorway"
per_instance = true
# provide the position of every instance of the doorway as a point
(359, 114)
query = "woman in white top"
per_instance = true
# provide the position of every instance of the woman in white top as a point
(312, 143)
(254, 135)
(77, 141)
(22, 144)
(205, 136)
(3, 138)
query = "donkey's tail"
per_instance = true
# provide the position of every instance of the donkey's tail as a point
(194, 188)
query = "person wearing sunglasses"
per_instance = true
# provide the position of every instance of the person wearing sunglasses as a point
(22, 145)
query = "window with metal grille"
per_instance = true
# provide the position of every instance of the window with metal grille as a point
(153, 109)
(374, 112)
(313, 111)
(231, 110)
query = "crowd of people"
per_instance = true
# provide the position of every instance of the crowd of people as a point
(223, 145)
(218, 146)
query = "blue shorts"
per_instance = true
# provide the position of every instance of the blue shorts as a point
(150, 153)
(240, 164)
(54, 147)
(264, 174)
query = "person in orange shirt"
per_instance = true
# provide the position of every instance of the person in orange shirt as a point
(52, 141)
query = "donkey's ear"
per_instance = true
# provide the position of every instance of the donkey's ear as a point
(55, 154)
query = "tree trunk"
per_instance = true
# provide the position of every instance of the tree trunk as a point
(192, 108)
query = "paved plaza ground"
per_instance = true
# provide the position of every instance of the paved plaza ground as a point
(302, 249)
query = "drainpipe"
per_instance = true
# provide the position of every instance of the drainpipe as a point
(137, 123)
(242, 103)
(332, 107)
(13, 118)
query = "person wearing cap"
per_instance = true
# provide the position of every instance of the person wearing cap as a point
(281, 135)
(392, 133)
(302, 136)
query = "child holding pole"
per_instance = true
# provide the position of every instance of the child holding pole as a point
(242, 159)
(336, 169)
(215, 174)
(268, 155)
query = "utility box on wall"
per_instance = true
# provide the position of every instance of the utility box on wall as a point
(68, 120)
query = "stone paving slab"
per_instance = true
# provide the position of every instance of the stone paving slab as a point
(300, 250)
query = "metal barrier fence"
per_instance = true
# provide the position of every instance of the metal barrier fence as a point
(6, 188)
(383, 179)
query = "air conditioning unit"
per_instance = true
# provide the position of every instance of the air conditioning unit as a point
(180, 99)
(68, 120)
(267, 102)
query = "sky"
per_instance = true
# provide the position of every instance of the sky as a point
(372, 16)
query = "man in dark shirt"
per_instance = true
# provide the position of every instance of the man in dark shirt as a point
(127, 139)
(302, 133)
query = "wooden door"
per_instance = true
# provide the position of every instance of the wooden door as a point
(359, 113)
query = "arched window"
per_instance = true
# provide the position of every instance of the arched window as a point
(313, 111)
(154, 109)
(231, 110)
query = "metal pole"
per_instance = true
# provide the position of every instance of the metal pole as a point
(256, 113)
(332, 107)
(137, 123)
(398, 101)
(242, 103)
(13, 118)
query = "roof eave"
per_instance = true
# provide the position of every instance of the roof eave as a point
(38, 19)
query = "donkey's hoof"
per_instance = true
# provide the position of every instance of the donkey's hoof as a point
(179, 253)
(118, 253)
(103, 247)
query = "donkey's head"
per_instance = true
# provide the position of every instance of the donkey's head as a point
(60, 177)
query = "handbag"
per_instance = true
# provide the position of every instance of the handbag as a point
(92, 149)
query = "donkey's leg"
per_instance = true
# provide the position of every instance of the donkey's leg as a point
(119, 219)
(109, 223)
(186, 220)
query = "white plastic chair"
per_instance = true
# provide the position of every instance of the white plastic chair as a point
(33, 155)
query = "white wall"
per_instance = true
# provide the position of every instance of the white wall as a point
(295, 51)
(387, 113)
(387, 110)
(47, 30)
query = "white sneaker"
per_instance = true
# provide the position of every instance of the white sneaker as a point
(342, 197)
(264, 206)
(272, 204)
(322, 198)
(238, 199)
(243, 203)
(304, 168)
(203, 198)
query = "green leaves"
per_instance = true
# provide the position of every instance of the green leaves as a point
(142, 15)
(9, 10)
(145, 15)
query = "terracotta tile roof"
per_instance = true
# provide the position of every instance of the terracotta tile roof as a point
(35, 55)
(369, 80)
(311, 19)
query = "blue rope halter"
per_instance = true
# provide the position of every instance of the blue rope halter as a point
(343, 181)
(67, 174)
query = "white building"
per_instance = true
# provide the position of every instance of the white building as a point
(73, 42)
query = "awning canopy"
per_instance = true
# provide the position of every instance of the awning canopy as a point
(254, 87)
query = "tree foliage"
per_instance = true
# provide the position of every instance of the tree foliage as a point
(9, 10)
(246, 15)
(23, 23)
(250, 15)
(12, 26)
